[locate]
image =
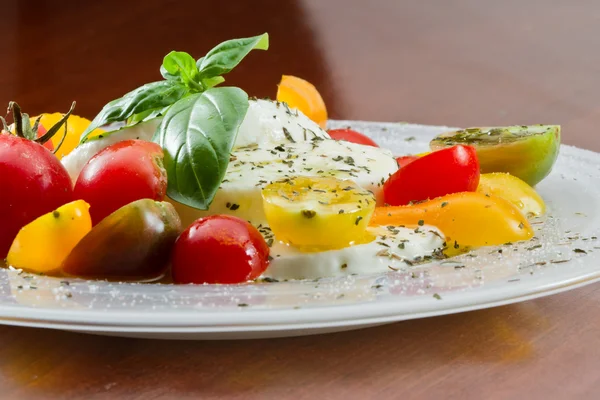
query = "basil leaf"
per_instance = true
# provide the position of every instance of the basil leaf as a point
(165, 74)
(212, 82)
(150, 96)
(197, 135)
(225, 56)
(181, 64)
(147, 115)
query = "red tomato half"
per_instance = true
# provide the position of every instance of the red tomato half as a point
(351, 136)
(405, 160)
(120, 174)
(451, 170)
(219, 249)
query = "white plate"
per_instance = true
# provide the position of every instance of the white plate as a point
(565, 256)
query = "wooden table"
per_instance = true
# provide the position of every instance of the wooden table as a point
(465, 62)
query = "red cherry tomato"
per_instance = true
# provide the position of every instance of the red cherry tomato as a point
(33, 182)
(219, 249)
(405, 160)
(451, 170)
(120, 174)
(351, 136)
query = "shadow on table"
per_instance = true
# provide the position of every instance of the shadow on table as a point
(65, 364)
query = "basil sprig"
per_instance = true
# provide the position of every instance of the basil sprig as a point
(200, 122)
(183, 77)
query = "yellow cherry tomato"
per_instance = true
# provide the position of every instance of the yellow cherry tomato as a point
(75, 127)
(513, 189)
(302, 95)
(43, 244)
(467, 219)
(318, 213)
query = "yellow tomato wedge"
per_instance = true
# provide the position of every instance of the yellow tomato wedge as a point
(43, 244)
(467, 219)
(513, 189)
(302, 95)
(75, 127)
(316, 214)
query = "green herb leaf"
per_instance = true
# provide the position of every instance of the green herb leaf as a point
(181, 64)
(197, 135)
(147, 115)
(150, 96)
(225, 56)
(212, 82)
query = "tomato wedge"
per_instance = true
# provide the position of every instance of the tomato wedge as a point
(351, 136)
(437, 174)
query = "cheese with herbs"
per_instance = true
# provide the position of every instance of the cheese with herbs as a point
(394, 249)
(252, 167)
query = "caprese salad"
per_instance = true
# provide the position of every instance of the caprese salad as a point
(202, 184)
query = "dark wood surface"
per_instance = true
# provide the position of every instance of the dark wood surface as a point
(462, 63)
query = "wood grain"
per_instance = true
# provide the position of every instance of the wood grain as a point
(459, 63)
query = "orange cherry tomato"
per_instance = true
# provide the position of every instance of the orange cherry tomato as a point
(302, 95)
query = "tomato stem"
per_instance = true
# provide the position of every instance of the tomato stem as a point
(18, 117)
(5, 127)
(52, 131)
(62, 140)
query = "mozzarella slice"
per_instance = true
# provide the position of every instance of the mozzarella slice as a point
(252, 167)
(395, 249)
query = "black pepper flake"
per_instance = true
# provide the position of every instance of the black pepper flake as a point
(242, 305)
(581, 251)
(232, 206)
(421, 222)
(521, 225)
(279, 148)
(410, 139)
(437, 296)
(341, 211)
(55, 214)
(401, 246)
(338, 158)
(344, 266)
(308, 213)
(444, 204)
(358, 220)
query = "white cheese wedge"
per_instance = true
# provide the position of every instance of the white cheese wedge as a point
(252, 167)
(269, 122)
(395, 249)
(265, 123)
